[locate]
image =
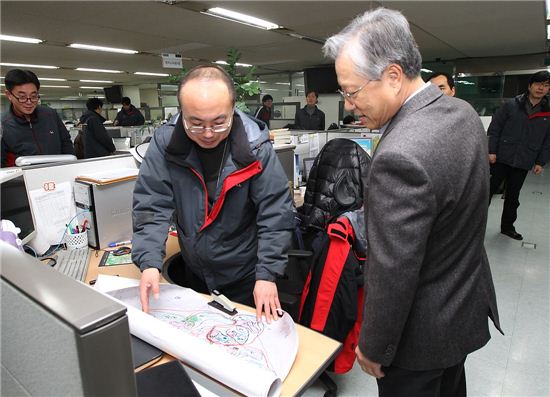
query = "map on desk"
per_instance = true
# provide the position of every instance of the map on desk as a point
(249, 356)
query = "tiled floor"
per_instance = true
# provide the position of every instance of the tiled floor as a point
(516, 364)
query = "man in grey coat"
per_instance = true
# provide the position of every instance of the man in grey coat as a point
(428, 285)
(215, 169)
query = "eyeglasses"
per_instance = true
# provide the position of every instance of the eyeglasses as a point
(199, 129)
(22, 99)
(350, 96)
(544, 84)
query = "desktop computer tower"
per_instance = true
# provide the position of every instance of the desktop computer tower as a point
(108, 209)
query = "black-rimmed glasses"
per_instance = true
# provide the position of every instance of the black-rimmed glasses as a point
(199, 129)
(22, 99)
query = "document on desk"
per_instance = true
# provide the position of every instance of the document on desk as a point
(110, 176)
(251, 357)
(52, 210)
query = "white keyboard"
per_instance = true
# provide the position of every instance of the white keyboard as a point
(73, 262)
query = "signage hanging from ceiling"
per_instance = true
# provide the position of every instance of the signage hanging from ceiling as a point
(172, 61)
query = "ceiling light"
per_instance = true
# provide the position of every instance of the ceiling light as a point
(20, 39)
(96, 81)
(26, 65)
(152, 74)
(50, 79)
(547, 9)
(240, 18)
(98, 70)
(244, 65)
(426, 70)
(91, 88)
(548, 32)
(55, 86)
(100, 48)
(278, 83)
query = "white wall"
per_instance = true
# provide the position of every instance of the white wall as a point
(149, 96)
(132, 92)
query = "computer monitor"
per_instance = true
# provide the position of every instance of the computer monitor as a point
(365, 143)
(14, 203)
(59, 336)
(114, 132)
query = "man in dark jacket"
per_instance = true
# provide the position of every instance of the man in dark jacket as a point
(28, 129)
(128, 115)
(264, 112)
(519, 140)
(97, 141)
(310, 117)
(216, 168)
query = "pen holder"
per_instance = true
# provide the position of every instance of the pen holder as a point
(78, 240)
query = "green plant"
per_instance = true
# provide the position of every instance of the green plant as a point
(244, 86)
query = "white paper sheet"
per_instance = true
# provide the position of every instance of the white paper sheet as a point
(249, 356)
(52, 211)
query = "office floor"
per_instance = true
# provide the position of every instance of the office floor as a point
(517, 364)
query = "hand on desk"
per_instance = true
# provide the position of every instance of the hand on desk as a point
(150, 279)
(266, 300)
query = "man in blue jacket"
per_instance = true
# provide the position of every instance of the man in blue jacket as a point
(519, 140)
(215, 170)
(29, 129)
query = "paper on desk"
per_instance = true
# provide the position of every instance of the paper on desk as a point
(250, 357)
(52, 211)
(110, 176)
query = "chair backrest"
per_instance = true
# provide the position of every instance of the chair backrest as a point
(336, 183)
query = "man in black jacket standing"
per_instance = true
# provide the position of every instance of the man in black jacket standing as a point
(29, 129)
(519, 140)
(97, 141)
(128, 116)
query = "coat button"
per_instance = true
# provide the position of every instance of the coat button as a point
(389, 350)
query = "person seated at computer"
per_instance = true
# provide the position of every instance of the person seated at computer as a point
(214, 168)
(27, 128)
(348, 120)
(128, 115)
(97, 141)
(310, 117)
(264, 112)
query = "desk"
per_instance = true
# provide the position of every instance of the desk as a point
(315, 350)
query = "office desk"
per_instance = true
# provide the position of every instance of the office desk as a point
(315, 350)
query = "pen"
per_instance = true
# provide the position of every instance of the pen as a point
(116, 244)
(84, 224)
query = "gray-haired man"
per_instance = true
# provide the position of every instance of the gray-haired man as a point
(428, 283)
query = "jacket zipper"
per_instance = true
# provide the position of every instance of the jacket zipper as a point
(36, 142)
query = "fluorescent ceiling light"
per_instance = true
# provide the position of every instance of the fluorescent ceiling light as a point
(96, 81)
(278, 83)
(240, 18)
(270, 89)
(50, 79)
(98, 70)
(55, 86)
(20, 39)
(244, 65)
(152, 74)
(100, 48)
(426, 70)
(547, 9)
(548, 32)
(91, 88)
(96, 96)
(27, 65)
(299, 85)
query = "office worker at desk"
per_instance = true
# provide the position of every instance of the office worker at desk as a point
(216, 168)
(97, 141)
(310, 117)
(128, 115)
(27, 128)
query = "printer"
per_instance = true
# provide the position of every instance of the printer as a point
(108, 209)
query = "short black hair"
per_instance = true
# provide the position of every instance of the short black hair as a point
(349, 119)
(539, 77)
(94, 103)
(125, 101)
(18, 77)
(267, 97)
(310, 91)
(450, 80)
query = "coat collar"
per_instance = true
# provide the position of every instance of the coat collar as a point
(181, 149)
(422, 99)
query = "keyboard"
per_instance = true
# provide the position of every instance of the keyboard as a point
(73, 262)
